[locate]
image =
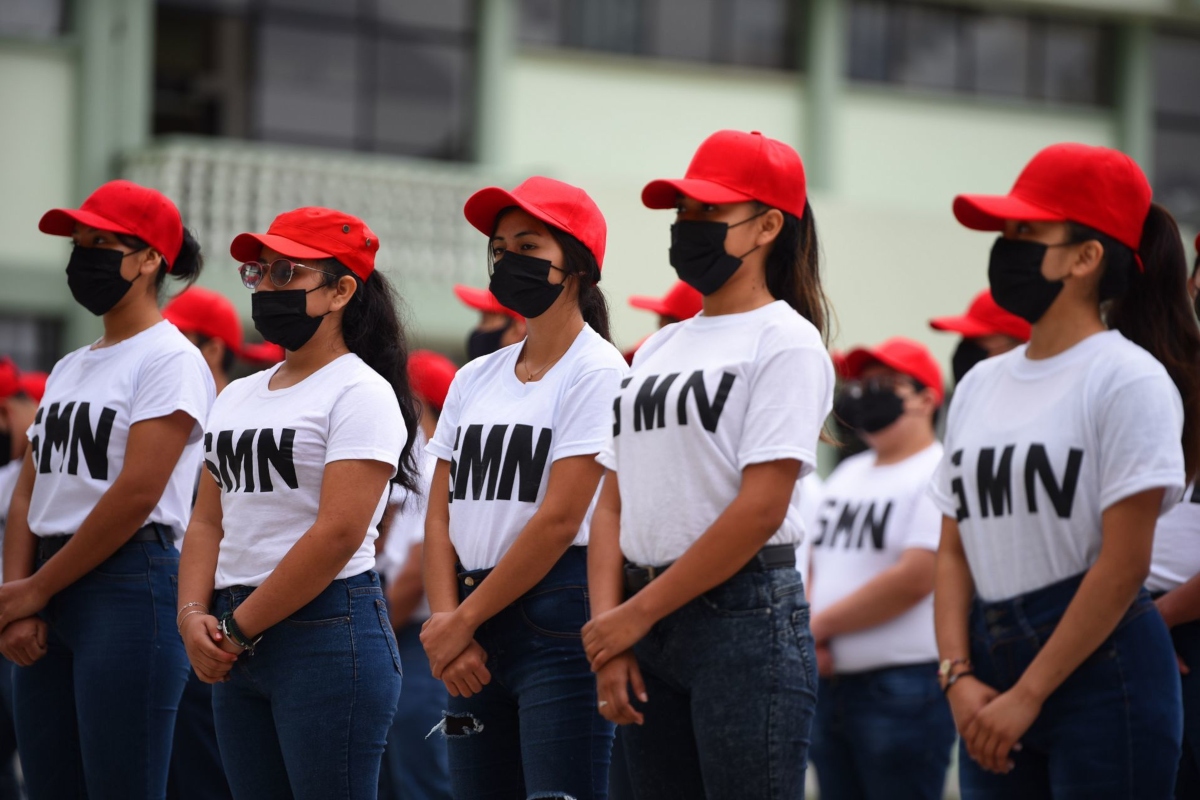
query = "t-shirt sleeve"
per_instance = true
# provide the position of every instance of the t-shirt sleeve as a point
(585, 416)
(1139, 426)
(441, 444)
(791, 394)
(365, 424)
(938, 489)
(924, 526)
(174, 381)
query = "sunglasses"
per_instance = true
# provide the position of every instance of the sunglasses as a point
(280, 271)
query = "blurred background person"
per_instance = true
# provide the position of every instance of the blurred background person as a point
(987, 330)
(498, 326)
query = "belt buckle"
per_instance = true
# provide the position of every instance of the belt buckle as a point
(652, 573)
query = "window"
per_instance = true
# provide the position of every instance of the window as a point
(32, 19)
(978, 52)
(1177, 126)
(394, 76)
(759, 33)
(34, 343)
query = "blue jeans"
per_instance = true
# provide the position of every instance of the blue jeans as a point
(97, 712)
(1111, 730)
(884, 734)
(307, 715)
(732, 682)
(415, 763)
(196, 770)
(1187, 644)
(10, 788)
(534, 731)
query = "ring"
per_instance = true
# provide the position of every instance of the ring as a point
(602, 704)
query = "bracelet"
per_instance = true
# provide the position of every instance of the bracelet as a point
(179, 617)
(179, 624)
(953, 679)
(230, 628)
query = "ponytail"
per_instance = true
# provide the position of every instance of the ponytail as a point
(794, 270)
(579, 261)
(372, 330)
(1151, 308)
(187, 264)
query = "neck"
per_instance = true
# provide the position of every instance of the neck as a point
(428, 425)
(551, 334)
(891, 452)
(129, 318)
(325, 347)
(1065, 324)
(746, 290)
(221, 381)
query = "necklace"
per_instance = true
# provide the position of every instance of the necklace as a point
(529, 376)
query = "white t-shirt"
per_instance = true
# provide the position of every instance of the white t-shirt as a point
(869, 516)
(501, 436)
(408, 527)
(1037, 450)
(268, 450)
(811, 488)
(1176, 557)
(9, 473)
(81, 429)
(707, 398)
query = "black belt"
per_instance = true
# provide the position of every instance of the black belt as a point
(47, 546)
(775, 556)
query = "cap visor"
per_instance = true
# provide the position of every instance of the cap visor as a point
(652, 304)
(482, 208)
(665, 193)
(970, 328)
(264, 353)
(248, 247)
(989, 212)
(62, 221)
(857, 360)
(482, 300)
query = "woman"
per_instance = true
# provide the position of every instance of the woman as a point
(296, 637)
(89, 554)
(1060, 455)
(507, 528)
(719, 421)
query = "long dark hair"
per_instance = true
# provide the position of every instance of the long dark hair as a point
(372, 330)
(794, 270)
(186, 267)
(1150, 307)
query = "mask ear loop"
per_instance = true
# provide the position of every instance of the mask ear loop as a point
(743, 222)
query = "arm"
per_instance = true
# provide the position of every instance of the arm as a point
(404, 592)
(197, 569)
(385, 522)
(540, 544)
(1177, 606)
(350, 492)
(22, 641)
(153, 450)
(883, 598)
(728, 545)
(1104, 596)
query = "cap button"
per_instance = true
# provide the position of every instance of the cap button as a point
(345, 229)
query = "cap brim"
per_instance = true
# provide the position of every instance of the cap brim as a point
(263, 353)
(989, 212)
(482, 208)
(665, 193)
(482, 300)
(858, 358)
(62, 221)
(652, 304)
(966, 326)
(248, 246)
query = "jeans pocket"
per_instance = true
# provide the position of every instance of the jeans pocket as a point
(804, 641)
(559, 612)
(388, 636)
(740, 596)
(127, 564)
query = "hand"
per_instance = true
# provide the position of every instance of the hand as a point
(614, 632)
(967, 696)
(206, 648)
(1183, 667)
(612, 689)
(998, 726)
(824, 660)
(20, 599)
(445, 635)
(24, 641)
(466, 675)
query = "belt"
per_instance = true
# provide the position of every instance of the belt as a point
(47, 546)
(775, 556)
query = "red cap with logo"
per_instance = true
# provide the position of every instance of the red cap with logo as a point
(903, 355)
(1098, 187)
(482, 300)
(984, 318)
(430, 374)
(208, 313)
(127, 208)
(680, 302)
(736, 167)
(314, 232)
(562, 205)
(8, 377)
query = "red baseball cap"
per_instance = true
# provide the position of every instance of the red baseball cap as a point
(984, 318)
(430, 374)
(208, 313)
(1098, 187)
(314, 232)
(680, 302)
(562, 205)
(482, 300)
(903, 355)
(262, 353)
(124, 207)
(736, 167)
(32, 384)
(8, 378)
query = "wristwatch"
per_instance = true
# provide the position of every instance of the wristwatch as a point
(228, 626)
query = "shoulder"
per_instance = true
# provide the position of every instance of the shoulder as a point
(850, 468)
(168, 345)
(1119, 361)
(597, 354)
(985, 372)
(355, 380)
(781, 327)
(484, 367)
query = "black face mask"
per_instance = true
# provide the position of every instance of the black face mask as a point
(94, 277)
(282, 317)
(870, 408)
(1015, 275)
(522, 283)
(484, 343)
(698, 253)
(968, 353)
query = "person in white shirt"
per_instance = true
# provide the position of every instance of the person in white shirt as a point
(698, 606)
(883, 728)
(507, 529)
(90, 561)
(1174, 582)
(1059, 457)
(279, 603)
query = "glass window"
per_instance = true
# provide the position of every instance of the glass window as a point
(1177, 133)
(1177, 172)
(1177, 70)
(868, 54)
(1073, 71)
(32, 19)
(423, 100)
(684, 29)
(999, 48)
(763, 34)
(541, 22)
(34, 343)
(928, 51)
(442, 15)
